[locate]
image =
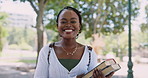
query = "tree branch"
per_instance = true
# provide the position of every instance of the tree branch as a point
(39, 1)
(33, 6)
(45, 1)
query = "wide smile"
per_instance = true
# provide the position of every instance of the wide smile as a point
(68, 30)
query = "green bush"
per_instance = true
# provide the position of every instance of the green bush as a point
(25, 46)
(13, 46)
(1, 46)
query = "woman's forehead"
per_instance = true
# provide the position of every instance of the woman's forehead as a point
(68, 14)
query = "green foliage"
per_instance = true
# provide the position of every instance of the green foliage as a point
(99, 16)
(3, 17)
(146, 11)
(111, 16)
(25, 46)
(51, 35)
(13, 46)
(22, 46)
(116, 44)
(81, 39)
(3, 32)
(27, 61)
(144, 26)
(138, 38)
(23, 38)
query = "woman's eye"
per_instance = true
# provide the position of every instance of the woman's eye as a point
(63, 22)
(73, 21)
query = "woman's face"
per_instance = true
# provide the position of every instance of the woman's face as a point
(68, 24)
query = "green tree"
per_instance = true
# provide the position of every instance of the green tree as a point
(116, 44)
(39, 8)
(19, 35)
(144, 29)
(99, 16)
(107, 16)
(3, 17)
(144, 26)
(103, 17)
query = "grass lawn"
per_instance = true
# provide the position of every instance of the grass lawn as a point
(27, 61)
(13, 56)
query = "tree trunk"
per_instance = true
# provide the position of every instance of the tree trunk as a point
(39, 22)
(40, 27)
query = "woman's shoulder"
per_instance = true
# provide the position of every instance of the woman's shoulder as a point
(46, 47)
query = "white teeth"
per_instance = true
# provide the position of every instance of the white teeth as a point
(68, 30)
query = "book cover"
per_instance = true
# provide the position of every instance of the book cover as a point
(105, 66)
(112, 68)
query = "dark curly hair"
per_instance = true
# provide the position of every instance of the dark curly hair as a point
(76, 11)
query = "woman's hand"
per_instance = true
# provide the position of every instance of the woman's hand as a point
(98, 74)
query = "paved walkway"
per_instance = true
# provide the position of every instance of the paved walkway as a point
(16, 70)
(21, 70)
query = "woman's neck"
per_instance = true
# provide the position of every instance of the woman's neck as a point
(68, 43)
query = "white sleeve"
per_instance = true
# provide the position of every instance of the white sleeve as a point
(93, 60)
(42, 65)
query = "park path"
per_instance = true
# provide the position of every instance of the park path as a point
(21, 70)
(11, 65)
(16, 70)
(26, 70)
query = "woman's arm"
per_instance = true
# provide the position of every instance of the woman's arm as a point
(42, 65)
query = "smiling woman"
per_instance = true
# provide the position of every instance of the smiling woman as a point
(67, 58)
(68, 24)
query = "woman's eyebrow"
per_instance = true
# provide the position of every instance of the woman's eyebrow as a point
(63, 19)
(73, 18)
(70, 19)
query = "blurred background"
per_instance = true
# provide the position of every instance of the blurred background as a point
(27, 25)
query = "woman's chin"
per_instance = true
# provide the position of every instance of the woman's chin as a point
(68, 37)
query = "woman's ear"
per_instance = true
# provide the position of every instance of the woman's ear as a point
(80, 27)
(57, 25)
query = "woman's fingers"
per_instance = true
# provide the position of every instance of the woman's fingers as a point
(110, 75)
(98, 74)
(95, 73)
(102, 75)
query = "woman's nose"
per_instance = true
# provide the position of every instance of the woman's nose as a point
(68, 24)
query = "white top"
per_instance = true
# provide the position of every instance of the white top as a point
(56, 70)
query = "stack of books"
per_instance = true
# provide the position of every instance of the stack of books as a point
(108, 66)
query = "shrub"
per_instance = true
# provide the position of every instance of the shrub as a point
(13, 46)
(25, 46)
